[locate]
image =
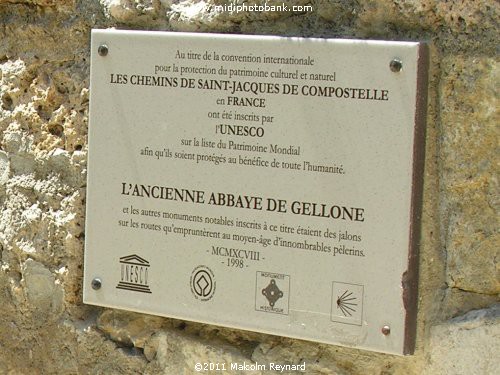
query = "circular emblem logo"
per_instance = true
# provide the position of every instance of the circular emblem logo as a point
(202, 283)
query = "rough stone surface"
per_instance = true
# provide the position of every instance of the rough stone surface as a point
(44, 91)
(127, 328)
(176, 353)
(470, 172)
(467, 344)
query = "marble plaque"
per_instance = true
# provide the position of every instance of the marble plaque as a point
(264, 183)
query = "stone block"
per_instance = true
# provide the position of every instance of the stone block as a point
(44, 295)
(468, 344)
(469, 176)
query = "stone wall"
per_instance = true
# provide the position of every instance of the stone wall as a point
(44, 91)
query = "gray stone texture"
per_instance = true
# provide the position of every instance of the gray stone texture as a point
(467, 344)
(44, 91)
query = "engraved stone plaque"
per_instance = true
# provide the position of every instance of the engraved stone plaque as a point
(263, 183)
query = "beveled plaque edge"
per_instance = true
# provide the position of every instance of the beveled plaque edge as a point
(410, 278)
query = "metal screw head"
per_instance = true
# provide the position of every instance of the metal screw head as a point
(102, 50)
(396, 65)
(96, 283)
(386, 330)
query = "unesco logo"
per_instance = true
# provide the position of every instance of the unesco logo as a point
(202, 283)
(134, 274)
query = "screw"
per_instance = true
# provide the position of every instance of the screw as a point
(386, 330)
(396, 65)
(102, 50)
(96, 284)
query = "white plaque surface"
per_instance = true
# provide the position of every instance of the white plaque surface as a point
(263, 183)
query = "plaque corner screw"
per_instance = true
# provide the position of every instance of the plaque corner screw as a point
(386, 330)
(96, 283)
(396, 65)
(103, 50)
